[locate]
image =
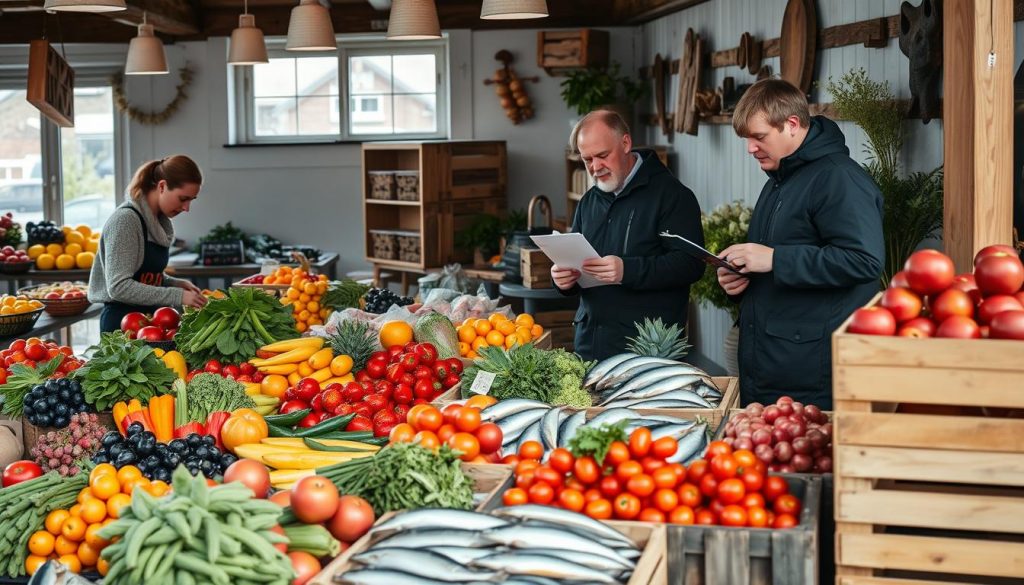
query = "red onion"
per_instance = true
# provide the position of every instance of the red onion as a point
(802, 463)
(823, 465)
(814, 413)
(764, 453)
(761, 437)
(784, 400)
(786, 468)
(783, 451)
(826, 429)
(817, 439)
(780, 435)
(771, 413)
(786, 408)
(755, 409)
(743, 443)
(802, 445)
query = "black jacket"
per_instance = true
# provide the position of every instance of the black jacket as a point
(822, 214)
(656, 272)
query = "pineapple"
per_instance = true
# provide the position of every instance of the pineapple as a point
(356, 340)
(655, 340)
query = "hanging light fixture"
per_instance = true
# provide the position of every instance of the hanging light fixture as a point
(247, 45)
(413, 20)
(145, 53)
(85, 5)
(513, 9)
(310, 28)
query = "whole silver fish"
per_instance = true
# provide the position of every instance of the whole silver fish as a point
(532, 537)
(513, 426)
(549, 427)
(708, 391)
(656, 388)
(612, 416)
(647, 378)
(632, 372)
(675, 431)
(516, 563)
(581, 558)
(613, 374)
(603, 367)
(615, 544)
(530, 433)
(655, 402)
(681, 395)
(506, 408)
(421, 562)
(461, 554)
(565, 517)
(383, 577)
(691, 444)
(567, 430)
(434, 537)
(424, 518)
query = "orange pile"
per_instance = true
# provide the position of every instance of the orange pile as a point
(70, 535)
(496, 330)
(303, 295)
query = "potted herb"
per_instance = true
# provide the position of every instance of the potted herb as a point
(912, 208)
(586, 90)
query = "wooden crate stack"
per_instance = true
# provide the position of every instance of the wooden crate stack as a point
(560, 325)
(536, 268)
(924, 498)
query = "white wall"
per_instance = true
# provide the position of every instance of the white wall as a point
(715, 163)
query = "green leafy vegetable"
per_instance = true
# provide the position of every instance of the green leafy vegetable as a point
(208, 393)
(344, 294)
(122, 369)
(596, 441)
(524, 371)
(20, 382)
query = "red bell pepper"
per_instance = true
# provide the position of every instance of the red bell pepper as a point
(213, 424)
(189, 428)
(139, 416)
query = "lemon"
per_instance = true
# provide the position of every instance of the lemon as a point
(46, 261)
(65, 262)
(83, 229)
(73, 237)
(54, 249)
(92, 246)
(72, 249)
(35, 251)
(84, 259)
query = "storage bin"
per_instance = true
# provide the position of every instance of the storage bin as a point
(407, 185)
(384, 245)
(382, 184)
(408, 248)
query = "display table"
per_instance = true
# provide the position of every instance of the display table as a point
(536, 300)
(201, 275)
(47, 325)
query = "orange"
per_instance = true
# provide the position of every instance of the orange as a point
(65, 262)
(463, 348)
(300, 327)
(85, 259)
(495, 338)
(105, 486)
(472, 355)
(94, 539)
(523, 336)
(116, 503)
(54, 520)
(88, 554)
(103, 566)
(158, 488)
(94, 511)
(481, 401)
(46, 261)
(511, 341)
(54, 249)
(63, 546)
(33, 562)
(309, 288)
(395, 333)
(41, 543)
(305, 370)
(506, 327)
(129, 486)
(128, 473)
(482, 327)
(85, 494)
(76, 511)
(525, 320)
(536, 331)
(274, 385)
(495, 318)
(101, 469)
(478, 343)
(73, 529)
(71, 562)
(467, 334)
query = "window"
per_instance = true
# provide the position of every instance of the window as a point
(21, 180)
(87, 156)
(368, 91)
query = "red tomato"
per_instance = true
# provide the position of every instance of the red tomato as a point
(20, 471)
(995, 304)
(571, 499)
(969, 285)
(599, 509)
(689, 495)
(757, 517)
(626, 506)
(651, 464)
(465, 443)
(641, 485)
(548, 476)
(993, 250)
(445, 432)
(787, 504)
(586, 470)
(651, 515)
(949, 303)
(352, 520)
(524, 480)
(784, 521)
(724, 466)
(872, 321)
(628, 469)
(639, 443)
(541, 493)
(527, 465)
(515, 497)
(696, 470)
(682, 515)
(665, 500)
(899, 280)
(36, 351)
(467, 419)
(704, 517)
(1008, 325)
(490, 437)
(510, 460)
(753, 500)
(561, 460)
(708, 485)
(745, 459)
(531, 450)
(716, 448)
(305, 565)
(752, 480)
(314, 499)
(617, 453)
(664, 447)
(731, 491)
(451, 412)
(610, 486)
(665, 478)
(252, 474)
(903, 303)
(733, 516)
(590, 495)
(999, 273)
(959, 327)
(774, 486)
(929, 271)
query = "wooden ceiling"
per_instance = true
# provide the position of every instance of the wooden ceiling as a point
(24, 20)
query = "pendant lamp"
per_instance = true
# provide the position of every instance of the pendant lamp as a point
(413, 20)
(145, 53)
(247, 44)
(310, 28)
(85, 5)
(513, 9)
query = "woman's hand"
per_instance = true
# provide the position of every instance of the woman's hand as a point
(192, 297)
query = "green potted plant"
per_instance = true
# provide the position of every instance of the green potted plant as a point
(723, 227)
(912, 208)
(586, 90)
(485, 232)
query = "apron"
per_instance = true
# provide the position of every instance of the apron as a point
(154, 261)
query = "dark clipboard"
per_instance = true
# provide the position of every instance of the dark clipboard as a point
(701, 253)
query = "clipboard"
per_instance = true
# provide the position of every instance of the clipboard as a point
(570, 251)
(701, 253)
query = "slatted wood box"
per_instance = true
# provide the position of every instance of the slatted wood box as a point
(928, 498)
(535, 267)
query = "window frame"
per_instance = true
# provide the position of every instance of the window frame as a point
(245, 113)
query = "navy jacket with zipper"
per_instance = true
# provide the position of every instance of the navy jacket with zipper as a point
(657, 273)
(822, 214)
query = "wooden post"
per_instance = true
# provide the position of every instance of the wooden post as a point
(977, 126)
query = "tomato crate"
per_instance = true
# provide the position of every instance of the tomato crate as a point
(929, 467)
(651, 568)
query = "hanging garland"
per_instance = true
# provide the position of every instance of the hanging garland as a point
(151, 118)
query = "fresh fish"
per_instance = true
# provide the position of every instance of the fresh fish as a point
(516, 563)
(708, 391)
(506, 408)
(434, 537)
(581, 558)
(617, 371)
(615, 544)
(612, 416)
(653, 376)
(514, 425)
(691, 444)
(421, 562)
(674, 431)
(518, 536)
(426, 518)
(633, 372)
(531, 433)
(383, 577)
(682, 398)
(549, 428)
(566, 518)
(655, 388)
(461, 554)
(567, 430)
(678, 394)
(603, 367)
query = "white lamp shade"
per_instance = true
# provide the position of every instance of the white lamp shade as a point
(413, 20)
(310, 28)
(145, 54)
(247, 45)
(85, 5)
(513, 9)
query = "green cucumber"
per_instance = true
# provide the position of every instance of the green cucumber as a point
(288, 420)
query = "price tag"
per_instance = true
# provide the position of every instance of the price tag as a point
(482, 383)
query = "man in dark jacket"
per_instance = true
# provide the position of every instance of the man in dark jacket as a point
(644, 274)
(814, 250)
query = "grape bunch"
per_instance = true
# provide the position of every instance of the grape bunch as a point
(44, 232)
(52, 403)
(64, 450)
(379, 300)
(157, 460)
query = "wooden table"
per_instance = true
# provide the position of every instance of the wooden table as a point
(47, 325)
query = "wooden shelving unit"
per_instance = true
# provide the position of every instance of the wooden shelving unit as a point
(573, 194)
(456, 180)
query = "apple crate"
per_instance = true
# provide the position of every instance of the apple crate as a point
(929, 460)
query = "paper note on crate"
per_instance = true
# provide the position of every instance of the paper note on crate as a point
(482, 382)
(569, 251)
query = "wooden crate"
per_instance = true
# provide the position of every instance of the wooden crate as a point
(730, 388)
(927, 497)
(535, 267)
(572, 49)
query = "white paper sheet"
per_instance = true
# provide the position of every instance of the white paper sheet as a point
(569, 251)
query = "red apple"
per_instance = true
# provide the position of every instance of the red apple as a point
(999, 273)
(929, 271)
(995, 304)
(969, 285)
(51, 295)
(873, 321)
(922, 324)
(902, 303)
(959, 327)
(994, 249)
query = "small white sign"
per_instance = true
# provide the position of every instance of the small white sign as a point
(482, 383)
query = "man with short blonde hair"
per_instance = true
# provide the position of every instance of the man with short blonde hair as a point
(814, 250)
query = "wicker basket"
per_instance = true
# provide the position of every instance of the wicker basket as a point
(408, 185)
(58, 307)
(384, 245)
(11, 325)
(409, 248)
(382, 184)
(16, 267)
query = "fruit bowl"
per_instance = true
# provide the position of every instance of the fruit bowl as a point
(19, 323)
(59, 307)
(16, 267)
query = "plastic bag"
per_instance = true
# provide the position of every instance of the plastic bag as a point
(453, 277)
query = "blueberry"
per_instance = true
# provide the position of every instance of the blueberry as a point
(43, 420)
(61, 421)
(61, 409)
(194, 440)
(207, 467)
(163, 474)
(202, 452)
(209, 441)
(227, 459)
(100, 457)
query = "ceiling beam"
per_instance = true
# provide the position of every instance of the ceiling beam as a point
(170, 17)
(641, 11)
(21, 27)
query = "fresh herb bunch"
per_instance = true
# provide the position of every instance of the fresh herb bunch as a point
(231, 329)
(21, 380)
(534, 374)
(344, 294)
(122, 369)
(595, 441)
(208, 393)
(725, 226)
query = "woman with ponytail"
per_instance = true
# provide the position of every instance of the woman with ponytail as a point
(128, 273)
